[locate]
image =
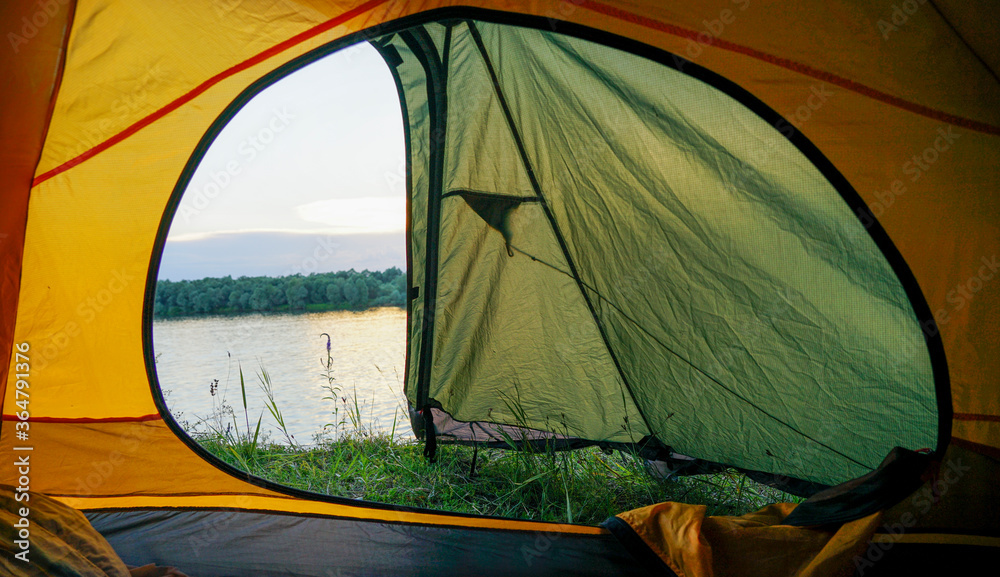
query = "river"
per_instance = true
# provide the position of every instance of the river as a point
(367, 348)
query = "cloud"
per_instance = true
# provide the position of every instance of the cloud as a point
(367, 215)
(276, 253)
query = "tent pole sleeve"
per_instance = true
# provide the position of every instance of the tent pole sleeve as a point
(437, 102)
(393, 60)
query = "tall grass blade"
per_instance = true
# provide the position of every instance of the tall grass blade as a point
(243, 389)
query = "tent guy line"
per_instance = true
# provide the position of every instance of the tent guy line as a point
(667, 348)
(965, 42)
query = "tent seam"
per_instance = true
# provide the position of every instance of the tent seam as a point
(964, 41)
(794, 66)
(481, 48)
(205, 86)
(436, 75)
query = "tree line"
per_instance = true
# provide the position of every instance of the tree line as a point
(343, 290)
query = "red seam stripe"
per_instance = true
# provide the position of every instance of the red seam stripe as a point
(795, 67)
(976, 417)
(198, 90)
(155, 417)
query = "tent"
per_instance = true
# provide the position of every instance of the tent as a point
(748, 233)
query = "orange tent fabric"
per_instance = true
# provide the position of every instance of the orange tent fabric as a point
(694, 544)
(107, 99)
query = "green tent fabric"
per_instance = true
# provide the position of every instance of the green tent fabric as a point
(651, 242)
(599, 255)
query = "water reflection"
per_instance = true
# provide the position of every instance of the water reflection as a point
(368, 350)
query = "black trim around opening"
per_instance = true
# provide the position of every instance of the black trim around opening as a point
(840, 183)
(408, 186)
(435, 71)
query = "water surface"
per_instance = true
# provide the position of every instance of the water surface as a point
(368, 350)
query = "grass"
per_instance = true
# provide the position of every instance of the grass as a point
(357, 461)
(582, 486)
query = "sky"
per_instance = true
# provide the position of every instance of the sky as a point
(307, 177)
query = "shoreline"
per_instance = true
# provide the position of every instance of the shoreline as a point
(283, 310)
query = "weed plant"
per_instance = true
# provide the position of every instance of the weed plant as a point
(357, 459)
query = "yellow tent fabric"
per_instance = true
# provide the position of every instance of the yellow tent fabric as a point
(107, 100)
(694, 544)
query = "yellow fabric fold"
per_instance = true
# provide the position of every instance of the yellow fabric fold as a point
(695, 545)
(49, 538)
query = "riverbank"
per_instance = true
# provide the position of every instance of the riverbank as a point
(583, 486)
(219, 400)
(283, 309)
(343, 290)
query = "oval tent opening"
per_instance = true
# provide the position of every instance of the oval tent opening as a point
(281, 289)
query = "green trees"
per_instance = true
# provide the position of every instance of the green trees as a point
(259, 300)
(362, 293)
(325, 291)
(296, 294)
(335, 292)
